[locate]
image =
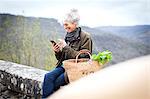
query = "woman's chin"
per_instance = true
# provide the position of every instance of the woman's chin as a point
(68, 31)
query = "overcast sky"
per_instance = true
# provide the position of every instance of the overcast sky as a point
(92, 12)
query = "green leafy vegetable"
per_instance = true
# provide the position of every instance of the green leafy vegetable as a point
(102, 57)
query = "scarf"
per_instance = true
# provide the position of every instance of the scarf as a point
(73, 36)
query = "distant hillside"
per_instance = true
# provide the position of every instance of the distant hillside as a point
(139, 33)
(25, 40)
(123, 48)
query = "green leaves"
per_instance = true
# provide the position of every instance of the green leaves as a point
(102, 57)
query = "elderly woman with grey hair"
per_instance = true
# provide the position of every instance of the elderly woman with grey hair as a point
(75, 40)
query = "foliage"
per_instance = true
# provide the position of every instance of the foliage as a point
(22, 41)
(103, 57)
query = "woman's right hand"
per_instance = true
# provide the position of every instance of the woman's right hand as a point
(56, 47)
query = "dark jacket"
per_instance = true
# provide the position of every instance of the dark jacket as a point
(70, 51)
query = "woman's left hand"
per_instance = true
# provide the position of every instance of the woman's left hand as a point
(62, 43)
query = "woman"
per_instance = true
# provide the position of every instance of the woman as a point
(75, 40)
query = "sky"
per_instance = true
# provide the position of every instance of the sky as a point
(92, 13)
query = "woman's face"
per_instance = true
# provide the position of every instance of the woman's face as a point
(69, 27)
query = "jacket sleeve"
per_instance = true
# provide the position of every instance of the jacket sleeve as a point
(58, 55)
(86, 44)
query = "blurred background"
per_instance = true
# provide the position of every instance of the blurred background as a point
(26, 26)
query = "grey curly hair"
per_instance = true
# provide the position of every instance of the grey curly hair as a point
(72, 16)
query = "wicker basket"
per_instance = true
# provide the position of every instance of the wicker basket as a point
(77, 68)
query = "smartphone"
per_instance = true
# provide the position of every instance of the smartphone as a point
(53, 42)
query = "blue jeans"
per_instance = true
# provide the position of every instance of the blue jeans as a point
(52, 81)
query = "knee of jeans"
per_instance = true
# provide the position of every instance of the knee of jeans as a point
(48, 77)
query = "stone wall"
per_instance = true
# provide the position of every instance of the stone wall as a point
(20, 79)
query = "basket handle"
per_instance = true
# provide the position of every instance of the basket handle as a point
(83, 52)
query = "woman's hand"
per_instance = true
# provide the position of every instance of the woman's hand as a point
(62, 43)
(59, 46)
(56, 48)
